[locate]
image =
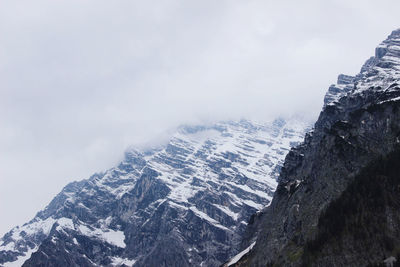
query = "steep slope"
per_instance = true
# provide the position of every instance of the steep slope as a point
(364, 219)
(183, 204)
(359, 126)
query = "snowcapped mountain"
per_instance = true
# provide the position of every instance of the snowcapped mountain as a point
(376, 73)
(185, 203)
(338, 201)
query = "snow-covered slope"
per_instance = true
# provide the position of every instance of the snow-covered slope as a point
(185, 203)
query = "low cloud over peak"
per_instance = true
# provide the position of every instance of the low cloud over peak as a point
(80, 81)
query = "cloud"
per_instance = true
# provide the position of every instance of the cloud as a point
(82, 80)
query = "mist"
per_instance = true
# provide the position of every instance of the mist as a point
(80, 81)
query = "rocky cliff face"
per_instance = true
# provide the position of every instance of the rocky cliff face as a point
(358, 129)
(185, 203)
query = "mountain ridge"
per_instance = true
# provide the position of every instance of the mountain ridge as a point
(358, 124)
(193, 196)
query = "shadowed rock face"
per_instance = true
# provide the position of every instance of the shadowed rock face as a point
(182, 204)
(359, 124)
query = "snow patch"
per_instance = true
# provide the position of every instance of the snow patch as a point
(117, 261)
(113, 237)
(35, 227)
(240, 255)
(204, 216)
(65, 223)
(253, 204)
(228, 212)
(21, 259)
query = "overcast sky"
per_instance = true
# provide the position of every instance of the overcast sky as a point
(80, 80)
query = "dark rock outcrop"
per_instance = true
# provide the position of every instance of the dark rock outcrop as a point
(359, 126)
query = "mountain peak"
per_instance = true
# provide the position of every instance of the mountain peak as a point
(375, 73)
(337, 176)
(205, 181)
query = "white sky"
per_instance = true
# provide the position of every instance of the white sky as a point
(80, 80)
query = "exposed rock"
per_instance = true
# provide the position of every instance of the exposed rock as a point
(185, 203)
(360, 124)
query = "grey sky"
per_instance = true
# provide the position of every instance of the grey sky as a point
(82, 80)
